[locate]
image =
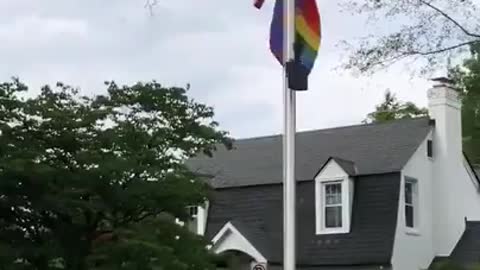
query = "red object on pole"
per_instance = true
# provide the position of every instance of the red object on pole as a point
(258, 3)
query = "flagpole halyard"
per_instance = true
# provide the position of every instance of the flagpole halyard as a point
(289, 182)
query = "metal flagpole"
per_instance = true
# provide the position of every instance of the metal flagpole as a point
(289, 182)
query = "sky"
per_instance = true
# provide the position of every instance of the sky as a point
(218, 47)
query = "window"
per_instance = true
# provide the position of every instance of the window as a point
(333, 199)
(192, 222)
(193, 211)
(196, 219)
(430, 148)
(411, 202)
(333, 205)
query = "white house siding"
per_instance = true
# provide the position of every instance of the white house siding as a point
(455, 195)
(447, 192)
(463, 203)
(415, 251)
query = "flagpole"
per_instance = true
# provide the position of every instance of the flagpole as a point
(289, 182)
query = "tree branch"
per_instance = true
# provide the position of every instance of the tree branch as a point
(388, 61)
(144, 216)
(448, 17)
(453, 47)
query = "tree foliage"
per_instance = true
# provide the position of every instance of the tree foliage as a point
(94, 182)
(392, 109)
(452, 265)
(429, 30)
(467, 77)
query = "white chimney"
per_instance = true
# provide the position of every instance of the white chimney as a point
(445, 108)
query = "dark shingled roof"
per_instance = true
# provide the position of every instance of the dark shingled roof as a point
(259, 209)
(373, 148)
(467, 250)
(347, 165)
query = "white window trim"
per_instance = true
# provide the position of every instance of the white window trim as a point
(320, 205)
(415, 230)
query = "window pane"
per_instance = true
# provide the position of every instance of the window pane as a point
(328, 189)
(192, 210)
(333, 217)
(408, 193)
(330, 199)
(333, 194)
(409, 216)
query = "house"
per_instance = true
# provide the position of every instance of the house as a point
(398, 195)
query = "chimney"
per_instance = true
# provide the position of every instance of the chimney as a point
(444, 107)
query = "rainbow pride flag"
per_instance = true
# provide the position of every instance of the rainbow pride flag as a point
(307, 35)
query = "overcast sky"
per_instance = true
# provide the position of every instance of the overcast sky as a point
(219, 47)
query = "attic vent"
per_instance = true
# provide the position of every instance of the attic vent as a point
(430, 148)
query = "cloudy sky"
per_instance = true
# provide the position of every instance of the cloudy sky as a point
(219, 47)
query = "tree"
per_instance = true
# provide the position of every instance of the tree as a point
(467, 77)
(431, 30)
(94, 182)
(447, 265)
(392, 109)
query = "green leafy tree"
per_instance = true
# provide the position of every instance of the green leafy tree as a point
(94, 182)
(467, 77)
(392, 109)
(447, 265)
(425, 30)
(452, 265)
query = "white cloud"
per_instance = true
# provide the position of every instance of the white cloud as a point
(40, 31)
(220, 47)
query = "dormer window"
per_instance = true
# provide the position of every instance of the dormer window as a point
(332, 210)
(192, 223)
(334, 197)
(197, 218)
(192, 212)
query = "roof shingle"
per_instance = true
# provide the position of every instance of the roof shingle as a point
(467, 250)
(373, 148)
(259, 209)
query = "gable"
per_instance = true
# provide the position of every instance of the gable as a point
(231, 238)
(374, 149)
(259, 208)
(332, 170)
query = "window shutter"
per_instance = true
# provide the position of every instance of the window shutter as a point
(430, 148)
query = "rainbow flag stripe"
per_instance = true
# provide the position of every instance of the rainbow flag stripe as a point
(307, 32)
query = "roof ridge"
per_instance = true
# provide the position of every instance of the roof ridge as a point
(342, 159)
(334, 128)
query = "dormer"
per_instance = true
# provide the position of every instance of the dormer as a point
(334, 196)
(197, 218)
